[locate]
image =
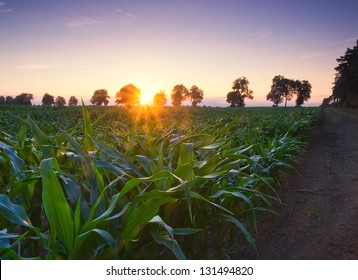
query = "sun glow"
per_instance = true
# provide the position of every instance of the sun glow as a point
(144, 113)
(146, 99)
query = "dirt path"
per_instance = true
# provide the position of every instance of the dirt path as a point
(319, 218)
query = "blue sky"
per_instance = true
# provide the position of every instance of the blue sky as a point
(75, 47)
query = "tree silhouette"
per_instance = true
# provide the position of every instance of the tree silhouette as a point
(240, 91)
(48, 100)
(128, 95)
(99, 97)
(195, 95)
(284, 89)
(179, 94)
(160, 99)
(60, 101)
(275, 96)
(303, 90)
(233, 98)
(327, 101)
(345, 89)
(23, 99)
(73, 101)
(9, 100)
(278, 90)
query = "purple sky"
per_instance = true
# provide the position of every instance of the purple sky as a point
(75, 47)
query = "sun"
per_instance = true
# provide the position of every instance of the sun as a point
(146, 99)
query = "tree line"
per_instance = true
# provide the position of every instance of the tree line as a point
(345, 85)
(282, 89)
(130, 95)
(47, 100)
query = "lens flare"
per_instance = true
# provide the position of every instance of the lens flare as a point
(146, 99)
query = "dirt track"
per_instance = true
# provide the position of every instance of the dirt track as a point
(319, 215)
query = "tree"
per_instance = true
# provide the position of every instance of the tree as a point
(9, 100)
(327, 101)
(48, 100)
(233, 98)
(128, 95)
(60, 101)
(24, 99)
(179, 94)
(99, 97)
(284, 89)
(195, 95)
(303, 90)
(281, 89)
(241, 90)
(73, 101)
(160, 99)
(275, 95)
(345, 89)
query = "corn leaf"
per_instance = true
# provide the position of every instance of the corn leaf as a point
(8, 254)
(41, 139)
(88, 169)
(242, 228)
(157, 176)
(185, 162)
(158, 220)
(186, 231)
(88, 128)
(17, 163)
(110, 151)
(55, 205)
(237, 194)
(171, 244)
(142, 215)
(13, 213)
(107, 237)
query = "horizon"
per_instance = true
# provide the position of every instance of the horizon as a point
(208, 102)
(74, 48)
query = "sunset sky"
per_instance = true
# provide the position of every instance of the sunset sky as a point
(72, 47)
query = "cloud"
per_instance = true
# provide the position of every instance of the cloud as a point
(263, 35)
(350, 40)
(338, 49)
(81, 22)
(3, 10)
(6, 10)
(126, 16)
(318, 54)
(38, 66)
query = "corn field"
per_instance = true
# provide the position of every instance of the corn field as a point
(141, 183)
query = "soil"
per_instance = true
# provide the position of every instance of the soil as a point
(319, 215)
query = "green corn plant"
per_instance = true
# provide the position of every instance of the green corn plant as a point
(132, 186)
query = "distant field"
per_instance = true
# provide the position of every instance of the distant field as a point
(140, 183)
